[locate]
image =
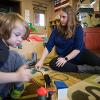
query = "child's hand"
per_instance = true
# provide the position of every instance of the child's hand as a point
(24, 74)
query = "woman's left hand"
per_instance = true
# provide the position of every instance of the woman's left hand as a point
(61, 61)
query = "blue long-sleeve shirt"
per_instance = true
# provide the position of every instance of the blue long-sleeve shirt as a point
(64, 46)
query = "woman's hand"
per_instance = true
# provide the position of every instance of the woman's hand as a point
(39, 64)
(61, 61)
(23, 74)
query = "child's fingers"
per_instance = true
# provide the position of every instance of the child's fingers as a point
(29, 73)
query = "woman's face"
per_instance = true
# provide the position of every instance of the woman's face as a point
(63, 18)
(17, 35)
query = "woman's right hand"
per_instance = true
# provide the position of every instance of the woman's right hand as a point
(39, 64)
(23, 73)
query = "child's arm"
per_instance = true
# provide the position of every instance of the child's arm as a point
(22, 74)
(8, 77)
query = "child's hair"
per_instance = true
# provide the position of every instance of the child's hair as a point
(7, 23)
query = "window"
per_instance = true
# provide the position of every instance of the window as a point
(39, 19)
(40, 10)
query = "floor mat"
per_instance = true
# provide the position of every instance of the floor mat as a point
(88, 89)
(81, 86)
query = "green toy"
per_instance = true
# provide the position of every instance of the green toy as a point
(32, 28)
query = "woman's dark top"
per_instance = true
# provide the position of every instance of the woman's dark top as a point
(64, 46)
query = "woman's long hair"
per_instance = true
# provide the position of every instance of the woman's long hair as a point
(69, 29)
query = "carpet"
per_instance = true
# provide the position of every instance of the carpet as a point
(81, 86)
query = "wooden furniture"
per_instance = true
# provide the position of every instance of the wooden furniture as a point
(10, 6)
(92, 38)
(54, 23)
(59, 3)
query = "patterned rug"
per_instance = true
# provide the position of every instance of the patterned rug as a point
(80, 86)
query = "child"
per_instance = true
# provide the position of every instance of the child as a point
(13, 29)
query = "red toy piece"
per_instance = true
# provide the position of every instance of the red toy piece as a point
(36, 38)
(42, 91)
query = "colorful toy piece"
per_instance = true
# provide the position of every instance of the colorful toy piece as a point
(32, 28)
(42, 92)
(36, 38)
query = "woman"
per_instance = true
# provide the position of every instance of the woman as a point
(68, 41)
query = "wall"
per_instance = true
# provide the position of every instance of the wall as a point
(27, 5)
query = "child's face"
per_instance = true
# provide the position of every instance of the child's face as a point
(17, 35)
